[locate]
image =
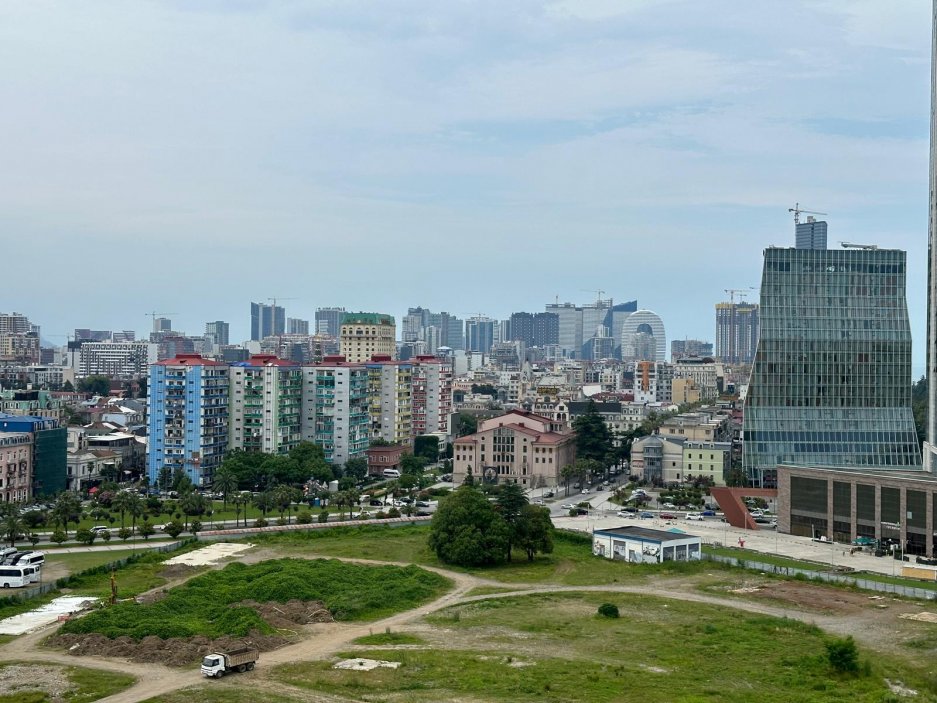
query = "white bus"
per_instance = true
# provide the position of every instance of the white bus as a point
(36, 559)
(17, 576)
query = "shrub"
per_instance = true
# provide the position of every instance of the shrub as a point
(608, 610)
(85, 536)
(843, 655)
(58, 537)
(281, 521)
(260, 522)
(195, 527)
(124, 533)
(380, 515)
(146, 529)
(393, 512)
(33, 538)
(106, 537)
(324, 516)
(173, 528)
(304, 517)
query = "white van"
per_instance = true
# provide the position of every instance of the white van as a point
(16, 576)
(391, 473)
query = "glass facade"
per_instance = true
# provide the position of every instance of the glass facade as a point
(831, 381)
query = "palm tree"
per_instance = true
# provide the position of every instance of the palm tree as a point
(192, 504)
(282, 498)
(136, 508)
(12, 525)
(67, 509)
(237, 502)
(121, 503)
(224, 482)
(264, 502)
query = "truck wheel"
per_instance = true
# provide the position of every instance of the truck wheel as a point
(242, 668)
(250, 666)
(219, 674)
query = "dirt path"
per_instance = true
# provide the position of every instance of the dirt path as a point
(328, 639)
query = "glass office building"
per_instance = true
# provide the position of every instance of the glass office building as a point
(831, 381)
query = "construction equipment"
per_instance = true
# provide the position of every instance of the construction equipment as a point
(850, 245)
(276, 298)
(797, 210)
(598, 293)
(154, 315)
(740, 292)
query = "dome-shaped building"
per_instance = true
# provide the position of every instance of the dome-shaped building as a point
(643, 337)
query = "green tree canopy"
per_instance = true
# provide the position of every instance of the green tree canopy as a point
(95, 384)
(357, 468)
(467, 531)
(510, 505)
(593, 438)
(427, 447)
(410, 464)
(534, 531)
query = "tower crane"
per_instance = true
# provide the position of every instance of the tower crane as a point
(598, 292)
(740, 292)
(797, 210)
(154, 315)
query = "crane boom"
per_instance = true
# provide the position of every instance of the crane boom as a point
(797, 210)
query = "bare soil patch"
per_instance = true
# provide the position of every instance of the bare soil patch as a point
(805, 596)
(23, 678)
(178, 651)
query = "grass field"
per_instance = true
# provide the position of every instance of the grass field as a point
(86, 685)
(87, 560)
(570, 564)
(213, 693)
(555, 648)
(207, 605)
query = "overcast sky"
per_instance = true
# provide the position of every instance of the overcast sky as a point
(191, 156)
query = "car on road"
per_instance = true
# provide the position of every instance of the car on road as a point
(582, 511)
(668, 516)
(669, 505)
(625, 513)
(708, 513)
(99, 530)
(646, 516)
(584, 491)
(695, 516)
(422, 504)
(567, 506)
(375, 502)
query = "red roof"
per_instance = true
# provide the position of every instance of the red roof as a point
(269, 360)
(190, 360)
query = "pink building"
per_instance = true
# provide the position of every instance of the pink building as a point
(16, 466)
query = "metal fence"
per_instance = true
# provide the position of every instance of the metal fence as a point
(42, 588)
(827, 577)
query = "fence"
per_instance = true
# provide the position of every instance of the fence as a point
(42, 588)
(827, 577)
(234, 532)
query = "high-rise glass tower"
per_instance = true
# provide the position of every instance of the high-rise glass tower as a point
(930, 446)
(831, 381)
(736, 332)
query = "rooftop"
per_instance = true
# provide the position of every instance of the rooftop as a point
(645, 533)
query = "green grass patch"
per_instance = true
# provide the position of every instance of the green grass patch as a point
(489, 590)
(86, 684)
(571, 563)
(212, 693)
(87, 560)
(389, 638)
(206, 605)
(553, 647)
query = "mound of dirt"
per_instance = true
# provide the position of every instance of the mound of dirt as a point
(294, 612)
(174, 571)
(178, 651)
(175, 651)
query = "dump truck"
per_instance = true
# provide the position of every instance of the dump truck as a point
(218, 664)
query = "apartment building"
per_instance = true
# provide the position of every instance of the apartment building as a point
(390, 388)
(366, 334)
(265, 412)
(188, 421)
(16, 467)
(116, 359)
(431, 395)
(336, 408)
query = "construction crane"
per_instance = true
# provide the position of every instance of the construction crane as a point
(740, 292)
(850, 245)
(154, 315)
(797, 210)
(598, 293)
(276, 298)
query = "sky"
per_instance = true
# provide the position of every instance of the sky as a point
(190, 156)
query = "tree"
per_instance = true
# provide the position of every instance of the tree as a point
(568, 472)
(534, 531)
(510, 503)
(67, 387)
(181, 483)
(67, 509)
(357, 468)
(427, 446)
(224, 482)
(122, 503)
(593, 438)
(467, 531)
(164, 479)
(173, 528)
(264, 501)
(195, 527)
(465, 424)
(12, 525)
(283, 497)
(410, 464)
(58, 537)
(146, 529)
(193, 504)
(95, 385)
(109, 473)
(124, 533)
(408, 482)
(85, 536)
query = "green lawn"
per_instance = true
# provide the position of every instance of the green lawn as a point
(87, 560)
(86, 685)
(571, 563)
(210, 605)
(211, 692)
(555, 648)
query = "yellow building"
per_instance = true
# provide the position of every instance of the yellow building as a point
(365, 334)
(707, 459)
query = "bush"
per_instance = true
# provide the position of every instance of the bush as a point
(106, 537)
(260, 522)
(85, 536)
(173, 528)
(281, 521)
(393, 512)
(608, 610)
(324, 516)
(58, 537)
(146, 529)
(843, 655)
(124, 533)
(380, 515)
(304, 517)
(195, 527)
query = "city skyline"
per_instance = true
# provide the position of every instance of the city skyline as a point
(370, 140)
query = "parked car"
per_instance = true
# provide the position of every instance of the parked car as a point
(646, 516)
(422, 504)
(99, 530)
(708, 513)
(549, 494)
(582, 511)
(668, 516)
(629, 509)
(584, 491)
(669, 505)
(625, 513)
(567, 506)
(694, 516)
(375, 502)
